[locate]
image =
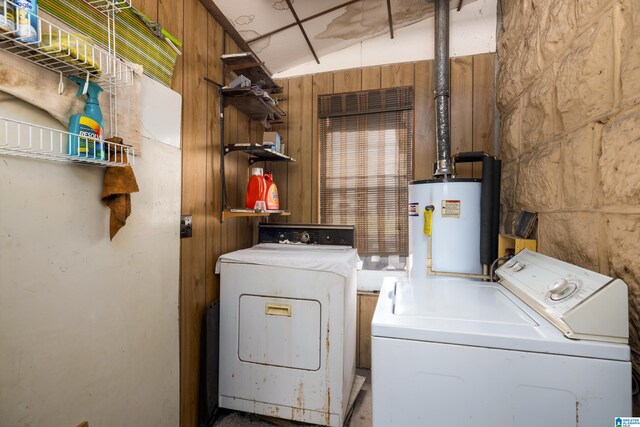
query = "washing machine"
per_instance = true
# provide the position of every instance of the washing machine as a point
(288, 323)
(547, 346)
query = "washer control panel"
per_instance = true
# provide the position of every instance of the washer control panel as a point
(578, 301)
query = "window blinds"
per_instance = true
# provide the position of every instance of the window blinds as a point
(365, 165)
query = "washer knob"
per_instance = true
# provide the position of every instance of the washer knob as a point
(519, 266)
(561, 289)
(304, 237)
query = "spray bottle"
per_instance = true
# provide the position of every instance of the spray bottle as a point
(90, 124)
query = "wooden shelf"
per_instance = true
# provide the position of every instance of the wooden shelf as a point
(232, 213)
(247, 64)
(258, 153)
(255, 106)
(255, 102)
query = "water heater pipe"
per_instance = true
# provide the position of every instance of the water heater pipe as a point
(432, 272)
(444, 166)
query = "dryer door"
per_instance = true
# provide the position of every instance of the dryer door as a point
(279, 332)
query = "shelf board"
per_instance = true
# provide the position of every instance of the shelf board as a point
(232, 213)
(247, 64)
(254, 106)
(258, 153)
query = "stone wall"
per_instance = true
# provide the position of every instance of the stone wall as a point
(568, 92)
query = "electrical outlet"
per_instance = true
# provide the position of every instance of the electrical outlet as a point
(186, 222)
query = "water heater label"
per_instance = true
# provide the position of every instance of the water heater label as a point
(413, 209)
(451, 208)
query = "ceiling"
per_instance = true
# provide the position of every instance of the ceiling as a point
(286, 33)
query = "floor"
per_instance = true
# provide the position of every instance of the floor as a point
(361, 416)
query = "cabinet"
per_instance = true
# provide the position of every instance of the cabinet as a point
(366, 306)
(256, 102)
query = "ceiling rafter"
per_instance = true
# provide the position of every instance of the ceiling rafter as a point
(304, 33)
(309, 18)
(390, 18)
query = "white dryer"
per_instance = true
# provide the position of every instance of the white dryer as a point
(288, 324)
(461, 352)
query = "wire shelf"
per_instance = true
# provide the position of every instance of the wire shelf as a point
(23, 139)
(61, 51)
(107, 6)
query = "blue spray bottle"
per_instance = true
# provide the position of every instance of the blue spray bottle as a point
(90, 124)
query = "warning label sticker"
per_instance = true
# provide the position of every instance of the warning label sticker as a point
(451, 208)
(413, 209)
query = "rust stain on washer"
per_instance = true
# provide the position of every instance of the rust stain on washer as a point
(301, 395)
(328, 365)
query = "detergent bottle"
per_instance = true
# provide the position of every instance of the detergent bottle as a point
(90, 125)
(271, 193)
(256, 190)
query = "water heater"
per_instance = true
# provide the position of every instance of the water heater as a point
(453, 217)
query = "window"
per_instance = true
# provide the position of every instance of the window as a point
(365, 167)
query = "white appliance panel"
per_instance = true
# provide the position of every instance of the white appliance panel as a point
(434, 384)
(455, 239)
(279, 332)
(581, 303)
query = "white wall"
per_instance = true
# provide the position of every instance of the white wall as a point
(88, 326)
(472, 31)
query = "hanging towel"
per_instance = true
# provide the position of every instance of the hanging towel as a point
(119, 183)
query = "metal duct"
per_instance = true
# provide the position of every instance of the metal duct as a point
(441, 95)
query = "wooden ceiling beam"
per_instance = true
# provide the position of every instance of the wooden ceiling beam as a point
(309, 18)
(390, 18)
(304, 33)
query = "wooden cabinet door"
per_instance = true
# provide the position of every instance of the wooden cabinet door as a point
(366, 306)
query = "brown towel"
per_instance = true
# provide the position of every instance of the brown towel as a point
(119, 182)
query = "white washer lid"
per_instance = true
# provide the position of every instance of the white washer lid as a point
(468, 312)
(336, 259)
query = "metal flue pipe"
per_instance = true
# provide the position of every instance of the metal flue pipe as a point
(444, 166)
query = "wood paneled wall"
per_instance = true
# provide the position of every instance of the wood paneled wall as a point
(472, 121)
(204, 41)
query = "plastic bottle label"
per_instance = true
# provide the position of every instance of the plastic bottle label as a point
(428, 220)
(91, 129)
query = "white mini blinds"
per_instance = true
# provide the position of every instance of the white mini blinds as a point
(365, 165)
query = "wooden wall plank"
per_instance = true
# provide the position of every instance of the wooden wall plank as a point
(347, 80)
(323, 83)
(300, 135)
(171, 17)
(483, 106)
(148, 7)
(213, 193)
(280, 170)
(193, 277)
(462, 110)
(424, 146)
(394, 75)
(371, 78)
